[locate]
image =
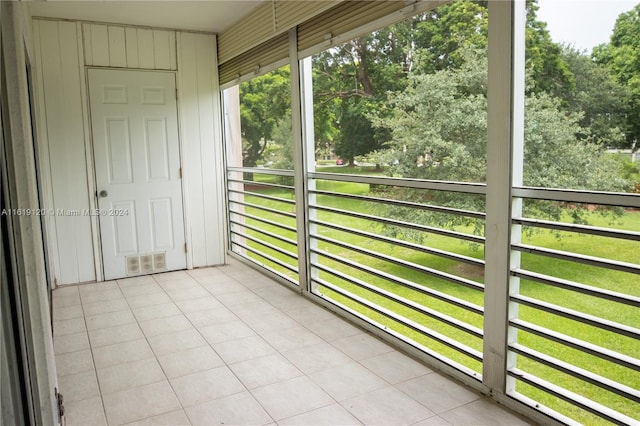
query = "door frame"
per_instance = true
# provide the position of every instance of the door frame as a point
(91, 175)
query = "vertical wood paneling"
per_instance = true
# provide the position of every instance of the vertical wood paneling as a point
(131, 41)
(209, 116)
(129, 47)
(145, 49)
(100, 45)
(190, 142)
(91, 188)
(201, 144)
(44, 166)
(117, 47)
(62, 82)
(173, 64)
(161, 48)
(86, 41)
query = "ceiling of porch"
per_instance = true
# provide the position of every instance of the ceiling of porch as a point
(212, 16)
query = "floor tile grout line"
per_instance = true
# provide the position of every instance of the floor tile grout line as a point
(198, 331)
(363, 331)
(303, 374)
(279, 309)
(93, 361)
(223, 360)
(157, 360)
(209, 344)
(257, 333)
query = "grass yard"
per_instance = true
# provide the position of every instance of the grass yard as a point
(621, 250)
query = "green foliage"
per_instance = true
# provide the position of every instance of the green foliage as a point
(357, 135)
(438, 128)
(264, 101)
(350, 80)
(622, 57)
(602, 101)
(444, 32)
(547, 69)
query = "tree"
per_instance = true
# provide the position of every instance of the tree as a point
(357, 135)
(547, 70)
(622, 57)
(438, 128)
(444, 32)
(355, 77)
(264, 101)
(351, 79)
(601, 100)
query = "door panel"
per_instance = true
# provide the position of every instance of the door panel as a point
(137, 160)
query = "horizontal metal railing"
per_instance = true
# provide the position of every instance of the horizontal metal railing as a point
(438, 337)
(577, 287)
(577, 196)
(264, 232)
(264, 209)
(578, 258)
(400, 203)
(262, 196)
(370, 282)
(394, 222)
(436, 185)
(261, 184)
(409, 265)
(454, 301)
(581, 345)
(401, 243)
(581, 229)
(572, 398)
(577, 316)
(579, 373)
(260, 171)
(605, 329)
(265, 221)
(259, 232)
(333, 272)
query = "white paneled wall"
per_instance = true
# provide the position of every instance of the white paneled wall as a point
(63, 145)
(63, 51)
(128, 47)
(199, 110)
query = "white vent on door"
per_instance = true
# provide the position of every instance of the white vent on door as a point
(160, 262)
(146, 263)
(133, 265)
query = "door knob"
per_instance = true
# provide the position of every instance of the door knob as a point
(103, 193)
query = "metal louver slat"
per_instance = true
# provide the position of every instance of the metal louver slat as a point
(253, 60)
(345, 17)
(288, 14)
(250, 32)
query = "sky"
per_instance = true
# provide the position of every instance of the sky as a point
(582, 23)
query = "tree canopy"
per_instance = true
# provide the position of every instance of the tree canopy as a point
(621, 56)
(438, 128)
(265, 101)
(412, 96)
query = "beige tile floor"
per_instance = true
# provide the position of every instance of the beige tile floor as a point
(229, 346)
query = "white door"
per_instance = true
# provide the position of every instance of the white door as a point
(138, 177)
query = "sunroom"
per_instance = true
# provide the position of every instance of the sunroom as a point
(236, 212)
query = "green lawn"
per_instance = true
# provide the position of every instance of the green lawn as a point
(622, 282)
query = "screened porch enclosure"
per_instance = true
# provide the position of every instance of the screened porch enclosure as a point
(465, 274)
(418, 220)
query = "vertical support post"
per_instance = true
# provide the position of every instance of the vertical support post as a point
(505, 132)
(233, 144)
(306, 78)
(299, 137)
